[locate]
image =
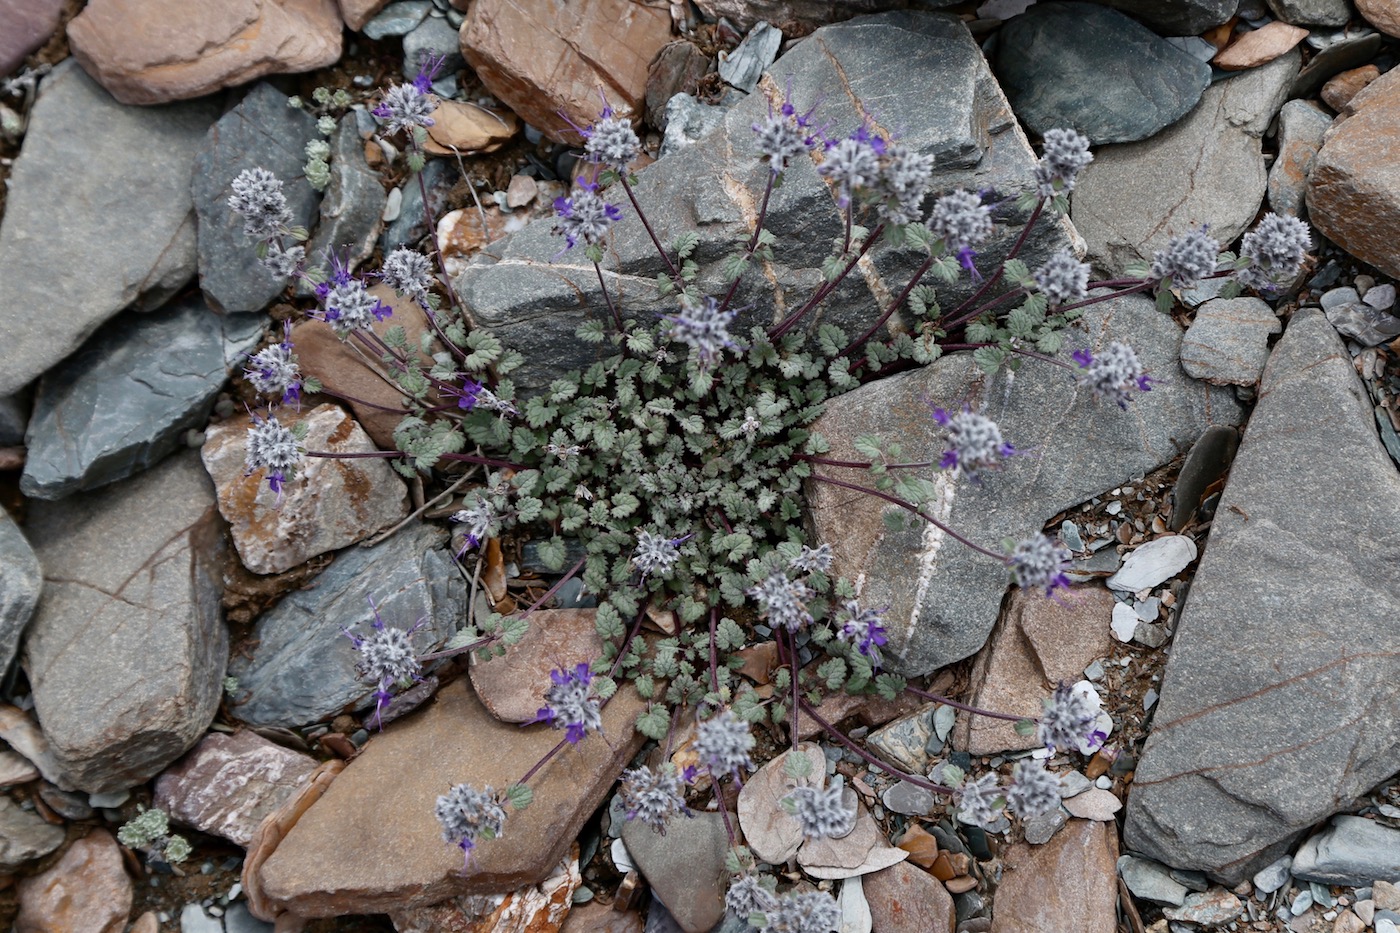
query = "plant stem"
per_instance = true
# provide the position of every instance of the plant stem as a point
(1012, 254)
(859, 465)
(910, 507)
(962, 706)
(542, 762)
(777, 332)
(641, 215)
(913, 281)
(484, 461)
(617, 318)
(869, 758)
(753, 241)
(464, 649)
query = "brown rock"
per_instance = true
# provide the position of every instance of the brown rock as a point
(1259, 46)
(88, 889)
(920, 844)
(146, 923)
(153, 51)
(1070, 883)
(772, 832)
(1383, 14)
(358, 12)
(540, 58)
(464, 128)
(1353, 189)
(1038, 643)
(540, 908)
(905, 899)
(371, 842)
(512, 687)
(16, 769)
(865, 849)
(1348, 922)
(594, 917)
(787, 13)
(328, 504)
(521, 191)
(28, 25)
(1339, 91)
(1094, 804)
(228, 784)
(341, 369)
(871, 711)
(463, 232)
(677, 69)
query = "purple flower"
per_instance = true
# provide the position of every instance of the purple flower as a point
(466, 815)
(347, 306)
(568, 704)
(480, 519)
(467, 395)
(585, 216)
(655, 553)
(865, 629)
(1070, 720)
(703, 326)
(974, 441)
(1112, 373)
(783, 600)
(1039, 562)
(853, 163)
(405, 106)
(386, 659)
(785, 134)
(611, 140)
(275, 448)
(273, 370)
(654, 796)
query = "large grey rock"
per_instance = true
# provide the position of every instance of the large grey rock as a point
(14, 415)
(354, 201)
(685, 866)
(1312, 12)
(1279, 699)
(535, 305)
(262, 131)
(24, 835)
(124, 400)
(1352, 851)
(1089, 68)
(1301, 125)
(944, 598)
(1228, 342)
(1177, 17)
(126, 654)
(95, 221)
(21, 581)
(1206, 169)
(302, 669)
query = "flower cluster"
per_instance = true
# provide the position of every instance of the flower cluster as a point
(611, 141)
(407, 106)
(1037, 562)
(704, 326)
(467, 814)
(1065, 155)
(346, 305)
(387, 659)
(865, 629)
(585, 216)
(1275, 249)
(1034, 791)
(853, 162)
(961, 221)
(904, 182)
(1070, 720)
(813, 559)
(822, 814)
(258, 198)
(803, 912)
(273, 370)
(723, 743)
(408, 273)
(785, 135)
(479, 519)
(974, 441)
(570, 705)
(1188, 258)
(274, 447)
(655, 553)
(283, 262)
(1112, 373)
(783, 600)
(653, 796)
(1063, 279)
(979, 800)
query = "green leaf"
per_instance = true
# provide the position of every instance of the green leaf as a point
(605, 687)
(1017, 272)
(520, 796)
(729, 636)
(654, 723)
(989, 359)
(685, 244)
(797, 765)
(1165, 300)
(552, 553)
(1024, 727)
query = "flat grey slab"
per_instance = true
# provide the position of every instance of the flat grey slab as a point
(1177, 17)
(944, 598)
(21, 582)
(1282, 690)
(98, 218)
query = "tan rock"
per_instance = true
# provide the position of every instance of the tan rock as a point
(153, 51)
(772, 832)
(920, 844)
(1339, 91)
(522, 191)
(1353, 189)
(328, 504)
(594, 917)
(462, 233)
(371, 843)
(1259, 46)
(1348, 922)
(512, 687)
(88, 889)
(16, 769)
(146, 923)
(358, 12)
(464, 128)
(1070, 883)
(227, 784)
(1038, 643)
(906, 899)
(1383, 14)
(1094, 804)
(863, 850)
(539, 57)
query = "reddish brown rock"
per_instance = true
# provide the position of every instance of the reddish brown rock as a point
(1353, 188)
(371, 842)
(906, 899)
(512, 687)
(328, 504)
(540, 908)
(1038, 643)
(227, 784)
(1070, 883)
(146, 923)
(460, 127)
(1383, 14)
(539, 57)
(1259, 46)
(88, 889)
(1339, 91)
(676, 69)
(358, 12)
(153, 51)
(594, 917)
(28, 25)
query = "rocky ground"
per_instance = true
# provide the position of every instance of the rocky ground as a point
(172, 637)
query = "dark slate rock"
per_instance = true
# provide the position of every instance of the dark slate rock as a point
(1177, 17)
(1244, 756)
(21, 580)
(352, 209)
(685, 866)
(397, 19)
(1351, 851)
(92, 228)
(302, 669)
(1092, 69)
(535, 305)
(439, 175)
(14, 416)
(262, 131)
(944, 598)
(435, 37)
(1356, 49)
(126, 653)
(1312, 12)
(124, 401)
(1208, 460)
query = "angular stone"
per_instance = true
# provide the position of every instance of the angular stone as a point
(302, 669)
(358, 12)
(329, 504)
(1228, 342)
(1301, 125)
(1383, 14)
(1211, 909)
(1070, 883)
(21, 582)
(1245, 756)
(745, 13)
(677, 69)
(1206, 169)
(906, 899)
(49, 264)
(396, 19)
(28, 25)
(1151, 881)
(334, 861)
(1176, 17)
(153, 51)
(945, 598)
(16, 769)
(513, 687)
(126, 399)
(1339, 91)
(529, 909)
(904, 742)
(464, 128)
(1085, 67)
(1040, 642)
(773, 833)
(1348, 51)
(227, 784)
(1353, 194)
(24, 835)
(19, 731)
(595, 917)
(547, 63)
(88, 889)
(1312, 12)
(14, 416)
(1351, 851)
(261, 132)
(862, 851)
(1154, 563)
(1259, 46)
(126, 654)
(535, 304)
(352, 209)
(1094, 804)
(743, 67)
(685, 867)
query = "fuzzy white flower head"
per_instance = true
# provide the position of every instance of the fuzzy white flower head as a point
(408, 273)
(904, 181)
(702, 325)
(822, 814)
(812, 560)
(979, 801)
(853, 163)
(467, 814)
(1063, 279)
(274, 447)
(783, 600)
(612, 142)
(974, 441)
(1188, 258)
(804, 912)
(1038, 562)
(1034, 791)
(283, 263)
(1072, 718)
(258, 198)
(1275, 248)
(748, 895)
(1065, 155)
(653, 796)
(723, 742)
(479, 518)
(961, 220)
(655, 553)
